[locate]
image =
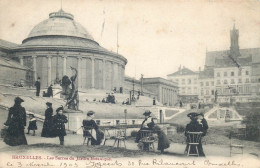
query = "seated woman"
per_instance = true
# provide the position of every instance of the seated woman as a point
(96, 134)
(195, 126)
(148, 124)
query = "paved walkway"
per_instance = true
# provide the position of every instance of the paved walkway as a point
(175, 149)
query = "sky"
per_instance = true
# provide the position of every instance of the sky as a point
(155, 36)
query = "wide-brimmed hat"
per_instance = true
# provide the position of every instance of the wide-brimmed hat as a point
(49, 104)
(147, 113)
(32, 115)
(192, 115)
(201, 114)
(18, 100)
(89, 113)
(60, 108)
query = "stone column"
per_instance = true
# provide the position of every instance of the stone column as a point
(159, 94)
(64, 65)
(79, 72)
(34, 67)
(104, 74)
(21, 60)
(116, 82)
(112, 81)
(49, 70)
(171, 97)
(123, 76)
(163, 96)
(93, 72)
(168, 96)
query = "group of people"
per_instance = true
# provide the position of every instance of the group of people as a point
(37, 85)
(54, 126)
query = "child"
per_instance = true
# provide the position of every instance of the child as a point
(32, 124)
(59, 121)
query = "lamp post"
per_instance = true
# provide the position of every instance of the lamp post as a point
(125, 112)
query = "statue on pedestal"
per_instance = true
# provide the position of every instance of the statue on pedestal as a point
(70, 90)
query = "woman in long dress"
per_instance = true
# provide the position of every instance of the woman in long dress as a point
(16, 123)
(148, 124)
(196, 126)
(47, 130)
(96, 134)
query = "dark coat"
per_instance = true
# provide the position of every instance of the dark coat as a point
(99, 134)
(50, 91)
(59, 125)
(16, 123)
(194, 126)
(48, 127)
(37, 85)
(163, 141)
(32, 124)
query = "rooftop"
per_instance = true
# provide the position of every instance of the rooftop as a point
(59, 24)
(183, 71)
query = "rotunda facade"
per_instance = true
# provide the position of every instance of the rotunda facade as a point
(58, 43)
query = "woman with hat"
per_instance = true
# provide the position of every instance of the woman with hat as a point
(47, 130)
(148, 124)
(16, 122)
(59, 121)
(96, 134)
(194, 126)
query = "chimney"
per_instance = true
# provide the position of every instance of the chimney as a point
(179, 67)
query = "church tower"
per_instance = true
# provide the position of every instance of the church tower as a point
(234, 48)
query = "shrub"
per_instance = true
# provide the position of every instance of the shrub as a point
(180, 129)
(134, 133)
(252, 122)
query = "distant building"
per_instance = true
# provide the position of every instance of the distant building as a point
(229, 76)
(58, 43)
(163, 90)
(187, 81)
(17, 75)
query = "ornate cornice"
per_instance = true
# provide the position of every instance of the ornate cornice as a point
(77, 49)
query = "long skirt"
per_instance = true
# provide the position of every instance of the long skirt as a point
(97, 136)
(15, 138)
(163, 141)
(48, 129)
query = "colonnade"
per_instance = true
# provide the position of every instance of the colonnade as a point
(168, 96)
(108, 74)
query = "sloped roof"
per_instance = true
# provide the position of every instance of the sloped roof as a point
(207, 73)
(7, 45)
(233, 62)
(11, 63)
(183, 71)
(211, 56)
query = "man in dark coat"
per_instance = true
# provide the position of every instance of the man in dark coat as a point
(16, 122)
(38, 86)
(59, 121)
(47, 130)
(194, 126)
